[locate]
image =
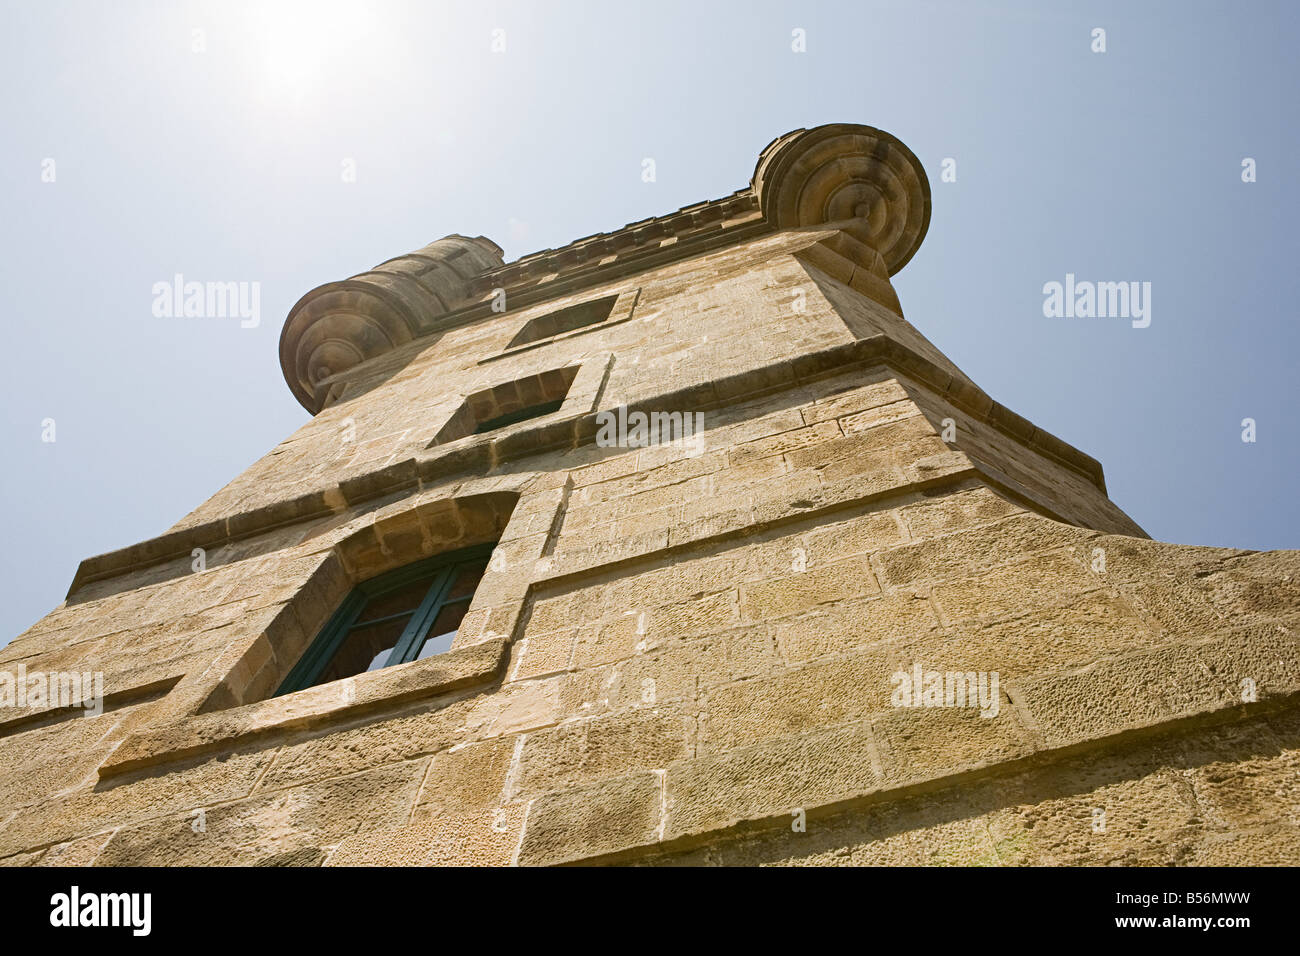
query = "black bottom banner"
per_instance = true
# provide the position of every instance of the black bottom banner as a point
(336, 906)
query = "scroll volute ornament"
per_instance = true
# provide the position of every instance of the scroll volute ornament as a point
(843, 172)
(341, 324)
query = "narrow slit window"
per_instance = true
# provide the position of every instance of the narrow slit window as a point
(404, 615)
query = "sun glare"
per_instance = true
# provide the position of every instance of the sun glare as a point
(299, 39)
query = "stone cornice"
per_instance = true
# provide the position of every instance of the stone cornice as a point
(840, 172)
(677, 235)
(844, 173)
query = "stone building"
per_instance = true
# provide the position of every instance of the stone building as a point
(474, 611)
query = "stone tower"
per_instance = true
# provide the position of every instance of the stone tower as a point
(676, 544)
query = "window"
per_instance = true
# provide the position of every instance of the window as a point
(564, 320)
(508, 403)
(404, 615)
(522, 415)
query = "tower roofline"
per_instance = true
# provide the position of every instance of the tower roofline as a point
(841, 172)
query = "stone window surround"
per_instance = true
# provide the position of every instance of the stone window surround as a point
(622, 311)
(185, 723)
(408, 625)
(520, 396)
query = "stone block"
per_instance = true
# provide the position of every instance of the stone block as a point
(773, 778)
(601, 818)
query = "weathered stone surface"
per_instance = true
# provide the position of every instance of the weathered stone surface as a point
(678, 651)
(848, 625)
(368, 691)
(344, 750)
(775, 777)
(833, 691)
(604, 817)
(799, 592)
(276, 823)
(587, 749)
(922, 743)
(1170, 681)
(967, 552)
(1136, 805)
(87, 810)
(999, 592)
(307, 856)
(466, 777)
(486, 837)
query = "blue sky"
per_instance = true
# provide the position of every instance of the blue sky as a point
(224, 163)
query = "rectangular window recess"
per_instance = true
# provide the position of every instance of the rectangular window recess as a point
(508, 403)
(394, 618)
(523, 414)
(624, 311)
(572, 317)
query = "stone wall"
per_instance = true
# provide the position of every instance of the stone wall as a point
(682, 653)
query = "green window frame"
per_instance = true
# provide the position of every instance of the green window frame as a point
(441, 571)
